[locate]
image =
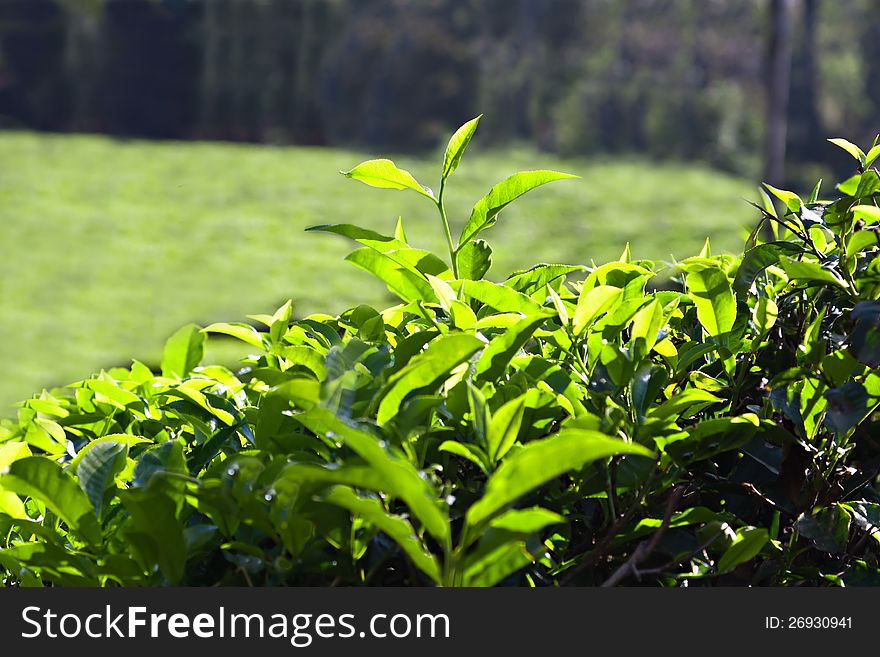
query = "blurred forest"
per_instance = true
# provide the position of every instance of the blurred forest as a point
(682, 79)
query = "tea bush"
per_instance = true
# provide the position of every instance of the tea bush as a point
(572, 425)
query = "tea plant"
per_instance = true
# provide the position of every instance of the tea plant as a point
(571, 425)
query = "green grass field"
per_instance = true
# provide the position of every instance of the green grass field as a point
(108, 246)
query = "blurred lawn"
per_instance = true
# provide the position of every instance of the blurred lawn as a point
(108, 246)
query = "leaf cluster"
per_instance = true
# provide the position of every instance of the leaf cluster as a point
(570, 424)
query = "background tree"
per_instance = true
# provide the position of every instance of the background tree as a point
(684, 79)
(778, 80)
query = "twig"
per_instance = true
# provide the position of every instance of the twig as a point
(645, 548)
(247, 577)
(612, 487)
(675, 562)
(599, 551)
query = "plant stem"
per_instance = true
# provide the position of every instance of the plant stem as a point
(442, 208)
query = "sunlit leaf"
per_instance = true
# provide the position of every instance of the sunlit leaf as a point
(537, 463)
(44, 480)
(396, 527)
(457, 145)
(592, 304)
(425, 370)
(745, 547)
(183, 351)
(384, 173)
(712, 295)
(486, 210)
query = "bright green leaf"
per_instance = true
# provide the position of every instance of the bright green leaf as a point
(44, 480)
(457, 145)
(487, 208)
(385, 174)
(711, 293)
(183, 351)
(594, 303)
(396, 527)
(745, 547)
(850, 148)
(539, 462)
(474, 258)
(425, 370)
(504, 428)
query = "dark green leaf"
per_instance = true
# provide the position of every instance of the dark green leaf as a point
(715, 436)
(97, 469)
(155, 524)
(757, 259)
(827, 528)
(847, 406)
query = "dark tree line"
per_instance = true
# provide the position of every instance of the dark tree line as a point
(669, 78)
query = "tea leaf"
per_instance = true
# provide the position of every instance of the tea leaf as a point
(745, 547)
(157, 534)
(850, 148)
(474, 259)
(809, 271)
(501, 298)
(364, 236)
(98, 467)
(485, 212)
(470, 452)
(400, 280)
(501, 350)
(396, 527)
(457, 145)
(44, 480)
(385, 174)
(537, 463)
(712, 295)
(826, 528)
(504, 427)
(244, 332)
(183, 351)
(592, 304)
(425, 371)
(401, 478)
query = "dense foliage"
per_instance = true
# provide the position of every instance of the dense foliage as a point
(571, 425)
